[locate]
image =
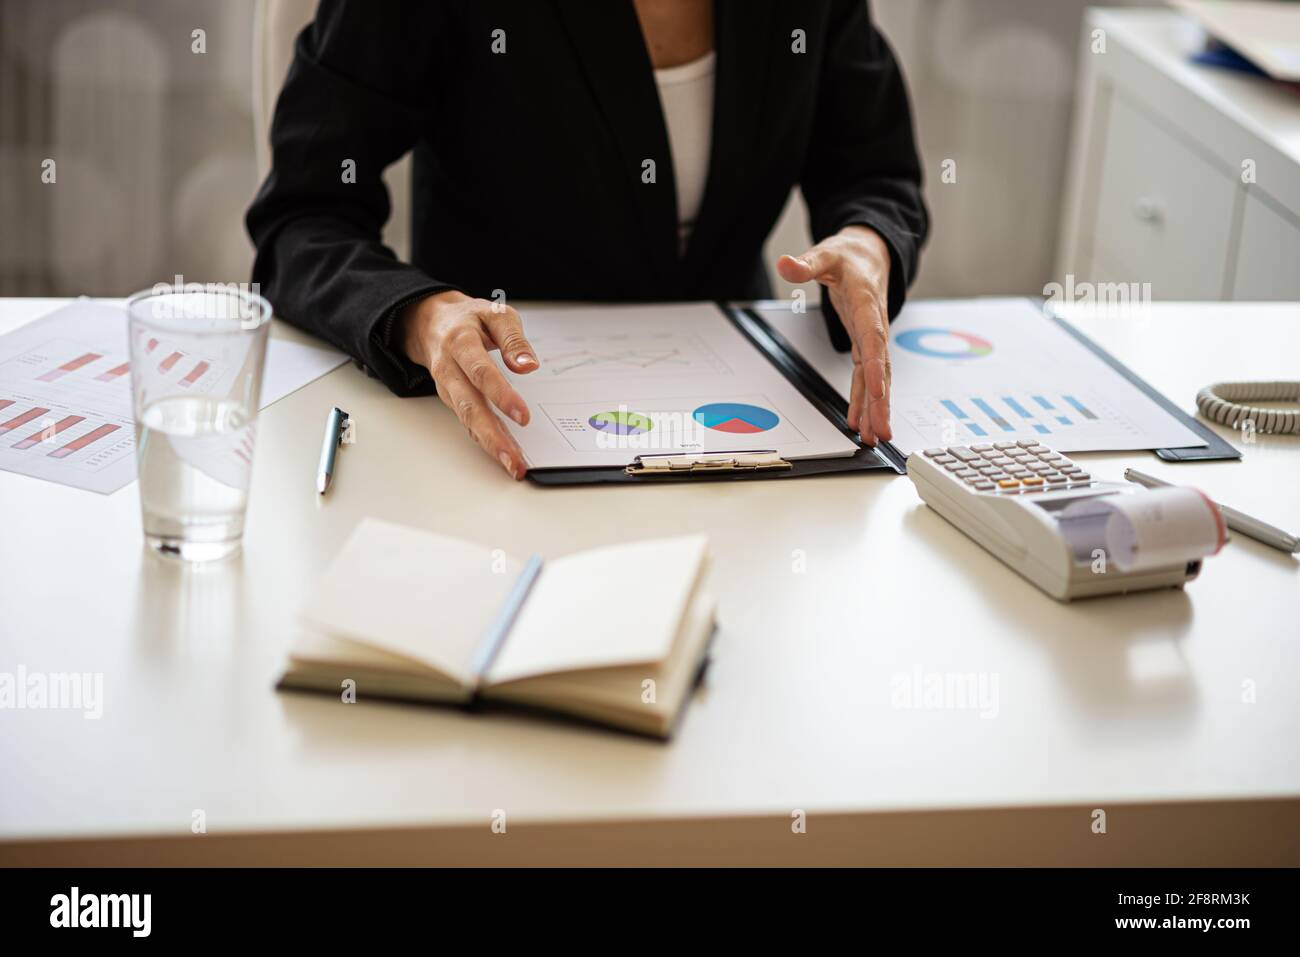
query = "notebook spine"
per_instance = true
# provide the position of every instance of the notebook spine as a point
(490, 645)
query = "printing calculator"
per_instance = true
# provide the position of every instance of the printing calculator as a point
(1009, 497)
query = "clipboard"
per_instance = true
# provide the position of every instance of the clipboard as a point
(1216, 448)
(752, 465)
(759, 465)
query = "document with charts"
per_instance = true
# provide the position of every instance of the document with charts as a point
(615, 382)
(65, 393)
(994, 370)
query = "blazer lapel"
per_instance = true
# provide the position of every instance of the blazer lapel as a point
(743, 39)
(608, 44)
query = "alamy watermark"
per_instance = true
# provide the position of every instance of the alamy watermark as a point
(623, 429)
(207, 300)
(1115, 298)
(920, 690)
(133, 912)
(53, 691)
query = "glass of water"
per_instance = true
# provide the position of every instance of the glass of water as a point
(197, 354)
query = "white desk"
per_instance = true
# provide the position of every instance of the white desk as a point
(1133, 705)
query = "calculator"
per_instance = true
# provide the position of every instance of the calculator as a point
(1009, 497)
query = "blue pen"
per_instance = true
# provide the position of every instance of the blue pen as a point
(334, 426)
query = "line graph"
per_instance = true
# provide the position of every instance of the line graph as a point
(622, 356)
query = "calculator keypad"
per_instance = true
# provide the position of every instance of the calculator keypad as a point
(1009, 468)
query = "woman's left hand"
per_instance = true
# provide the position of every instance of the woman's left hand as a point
(854, 266)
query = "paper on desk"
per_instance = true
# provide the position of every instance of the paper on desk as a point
(989, 370)
(96, 452)
(615, 382)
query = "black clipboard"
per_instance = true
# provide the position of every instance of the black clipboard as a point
(1216, 448)
(885, 457)
(753, 466)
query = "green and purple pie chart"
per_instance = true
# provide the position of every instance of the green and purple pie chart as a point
(621, 423)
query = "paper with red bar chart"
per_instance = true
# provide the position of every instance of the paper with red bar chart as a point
(65, 392)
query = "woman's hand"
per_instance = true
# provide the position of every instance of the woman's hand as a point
(854, 265)
(451, 335)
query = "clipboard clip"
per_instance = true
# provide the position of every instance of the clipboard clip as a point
(688, 463)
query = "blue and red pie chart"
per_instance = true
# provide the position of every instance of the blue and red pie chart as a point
(738, 418)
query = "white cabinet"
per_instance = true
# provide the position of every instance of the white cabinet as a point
(1268, 257)
(1163, 206)
(1183, 176)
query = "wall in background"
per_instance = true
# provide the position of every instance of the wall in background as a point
(155, 159)
(992, 85)
(152, 143)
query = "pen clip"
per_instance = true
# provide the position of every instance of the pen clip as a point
(347, 430)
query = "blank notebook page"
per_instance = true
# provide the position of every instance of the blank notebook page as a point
(612, 606)
(413, 593)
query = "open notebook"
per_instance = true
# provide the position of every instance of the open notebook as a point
(617, 635)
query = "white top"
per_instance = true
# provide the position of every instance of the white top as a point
(686, 95)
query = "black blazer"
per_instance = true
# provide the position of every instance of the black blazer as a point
(528, 163)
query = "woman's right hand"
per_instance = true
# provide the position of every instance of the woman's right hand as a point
(451, 334)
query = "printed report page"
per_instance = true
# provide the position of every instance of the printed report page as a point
(986, 370)
(615, 382)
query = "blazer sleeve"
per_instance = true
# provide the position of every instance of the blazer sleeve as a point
(862, 166)
(349, 108)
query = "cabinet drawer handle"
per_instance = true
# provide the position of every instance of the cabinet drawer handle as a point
(1148, 210)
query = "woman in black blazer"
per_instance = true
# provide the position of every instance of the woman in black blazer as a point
(543, 169)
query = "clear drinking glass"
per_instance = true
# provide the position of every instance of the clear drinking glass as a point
(197, 354)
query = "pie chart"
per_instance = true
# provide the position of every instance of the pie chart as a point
(621, 422)
(940, 343)
(736, 417)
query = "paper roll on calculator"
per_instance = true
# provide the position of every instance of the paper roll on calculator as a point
(1164, 527)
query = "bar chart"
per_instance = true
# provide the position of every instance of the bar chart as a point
(1067, 421)
(22, 418)
(85, 367)
(48, 432)
(113, 373)
(66, 393)
(1013, 374)
(76, 445)
(65, 401)
(72, 365)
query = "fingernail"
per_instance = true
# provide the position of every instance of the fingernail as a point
(505, 464)
(517, 416)
(524, 359)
